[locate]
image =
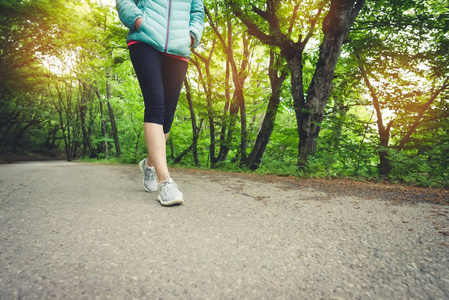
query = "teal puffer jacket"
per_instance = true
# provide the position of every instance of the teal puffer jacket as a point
(167, 25)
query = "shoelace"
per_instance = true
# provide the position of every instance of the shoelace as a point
(169, 185)
(149, 174)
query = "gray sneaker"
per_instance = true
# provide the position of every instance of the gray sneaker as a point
(149, 176)
(169, 193)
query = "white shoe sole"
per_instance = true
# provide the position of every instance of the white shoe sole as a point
(141, 166)
(172, 202)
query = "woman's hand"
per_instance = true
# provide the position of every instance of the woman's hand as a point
(137, 23)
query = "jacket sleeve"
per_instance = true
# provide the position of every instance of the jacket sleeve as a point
(196, 21)
(128, 12)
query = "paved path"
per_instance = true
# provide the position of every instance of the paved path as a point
(89, 231)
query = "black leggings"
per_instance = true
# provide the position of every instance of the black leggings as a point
(160, 78)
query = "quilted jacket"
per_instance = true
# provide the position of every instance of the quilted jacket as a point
(167, 25)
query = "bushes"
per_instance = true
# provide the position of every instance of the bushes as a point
(429, 169)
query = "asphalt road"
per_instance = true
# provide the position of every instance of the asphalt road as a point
(90, 231)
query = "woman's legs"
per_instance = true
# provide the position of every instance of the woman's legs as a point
(160, 79)
(173, 74)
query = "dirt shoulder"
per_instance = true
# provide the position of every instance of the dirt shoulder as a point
(397, 193)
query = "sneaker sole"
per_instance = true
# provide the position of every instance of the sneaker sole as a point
(143, 173)
(169, 203)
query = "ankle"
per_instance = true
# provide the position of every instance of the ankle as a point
(165, 179)
(148, 163)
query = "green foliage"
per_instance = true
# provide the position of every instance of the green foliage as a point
(428, 170)
(64, 63)
(278, 167)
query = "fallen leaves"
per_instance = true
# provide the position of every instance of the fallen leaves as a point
(394, 193)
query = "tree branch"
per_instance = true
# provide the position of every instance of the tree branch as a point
(293, 19)
(254, 30)
(418, 118)
(376, 103)
(356, 10)
(312, 27)
(264, 14)
(214, 27)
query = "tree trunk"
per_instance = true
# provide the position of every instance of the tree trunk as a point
(178, 159)
(338, 115)
(195, 129)
(238, 78)
(104, 144)
(224, 145)
(210, 113)
(255, 157)
(59, 108)
(243, 126)
(83, 114)
(384, 166)
(206, 82)
(241, 98)
(295, 66)
(336, 26)
(118, 151)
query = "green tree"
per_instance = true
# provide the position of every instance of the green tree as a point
(27, 29)
(404, 68)
(284, 33)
